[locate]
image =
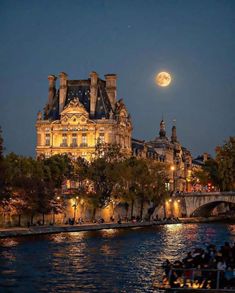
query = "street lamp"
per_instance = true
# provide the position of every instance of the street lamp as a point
(173, 176)
(75, 207)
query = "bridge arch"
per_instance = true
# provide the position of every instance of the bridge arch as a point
(202, 204)
(206, 209)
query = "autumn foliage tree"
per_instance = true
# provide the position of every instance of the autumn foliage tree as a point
(225, 158)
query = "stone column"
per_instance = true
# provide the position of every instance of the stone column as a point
(111, 88)
(52, 88)
(93, 92)
(63, 90)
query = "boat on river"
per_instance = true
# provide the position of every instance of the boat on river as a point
(195, 280)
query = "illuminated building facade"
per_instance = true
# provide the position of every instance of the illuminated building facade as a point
(171, 152)
(80, 114)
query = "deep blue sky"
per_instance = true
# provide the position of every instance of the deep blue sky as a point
(193, 40)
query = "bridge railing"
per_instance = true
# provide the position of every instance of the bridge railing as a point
(214, 193)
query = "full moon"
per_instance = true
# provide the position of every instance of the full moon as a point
(163, 79)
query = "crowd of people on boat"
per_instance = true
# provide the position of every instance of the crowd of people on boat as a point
(208, 268)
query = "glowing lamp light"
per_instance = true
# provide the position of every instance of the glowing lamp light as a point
(172, 168)
(170, 200)
(58, 198)
(76, 197)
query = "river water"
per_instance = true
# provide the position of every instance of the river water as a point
(116, 260)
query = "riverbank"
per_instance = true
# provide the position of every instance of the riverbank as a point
(38, 230)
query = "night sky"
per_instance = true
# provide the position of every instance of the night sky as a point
(193, 40)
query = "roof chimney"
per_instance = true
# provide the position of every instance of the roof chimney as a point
(93, 92)
(111, 88)
(63, 90)
(52, 88)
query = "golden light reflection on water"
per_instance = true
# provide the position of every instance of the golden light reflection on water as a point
(109, 233)
(9, 242)
(174, 227)
(72, 254)
(106, 249)
(99, 261)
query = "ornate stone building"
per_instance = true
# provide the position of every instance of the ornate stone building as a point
(171, 152)
(80, 114)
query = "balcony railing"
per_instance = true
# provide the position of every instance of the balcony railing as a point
(73, 144)
(83, 145)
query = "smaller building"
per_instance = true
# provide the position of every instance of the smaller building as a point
(171, 152)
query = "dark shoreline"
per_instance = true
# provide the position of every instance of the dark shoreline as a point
(39, 230)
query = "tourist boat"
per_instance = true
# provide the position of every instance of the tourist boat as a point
(195, 280)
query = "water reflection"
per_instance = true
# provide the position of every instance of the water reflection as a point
(9, 242)
(124, 260)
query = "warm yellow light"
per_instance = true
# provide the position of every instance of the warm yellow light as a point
(172, 168)
(178, 200)
(76, 197)
(58, 197)
(163, 79)
(170, 200)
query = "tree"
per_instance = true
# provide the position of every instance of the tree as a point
(109, 152)
(3, 191)
(159, 177)
(207, 174)
(100, 174)
(141, 181)
(225, 158)
(103, 175)
(1, 144)
(59, 168)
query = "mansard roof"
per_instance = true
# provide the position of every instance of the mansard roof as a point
(140, 145)
(81, 89)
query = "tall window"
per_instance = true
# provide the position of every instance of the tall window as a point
(74, 139)
(84, 139)
(64, 139)
(47, 138)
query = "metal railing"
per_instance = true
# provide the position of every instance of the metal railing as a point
(212, 193)
(197, 279)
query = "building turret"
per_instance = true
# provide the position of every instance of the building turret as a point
(63, 90)
(162, 132)
(173, 135)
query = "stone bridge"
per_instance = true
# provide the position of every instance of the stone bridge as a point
(202, 204)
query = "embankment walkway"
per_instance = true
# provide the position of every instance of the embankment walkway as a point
(37, 230)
